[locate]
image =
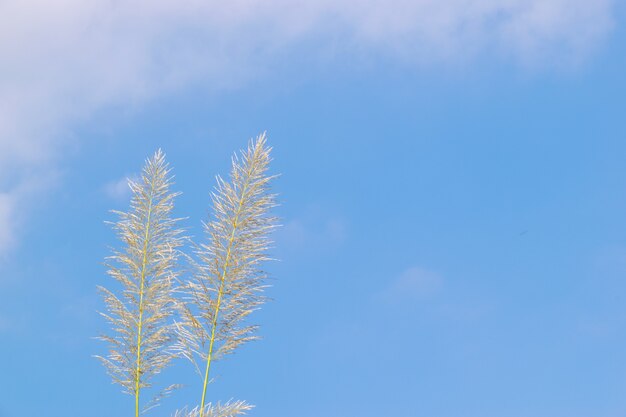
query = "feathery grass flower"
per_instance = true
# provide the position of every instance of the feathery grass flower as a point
(228, 283)
(141, 313)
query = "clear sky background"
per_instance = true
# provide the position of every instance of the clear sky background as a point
(453, 197)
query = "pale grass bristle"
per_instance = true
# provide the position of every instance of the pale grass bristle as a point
(229, 409)
(141, 312)
(228, 282)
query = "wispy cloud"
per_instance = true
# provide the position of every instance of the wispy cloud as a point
(414, 283)
(17, 203)
(426, 289)
(315, 230)
(119, 189)
(7, 207)
(62, 61)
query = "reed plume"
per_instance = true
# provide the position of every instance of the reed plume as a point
(227, 284)
(230, 409)
(141, 313)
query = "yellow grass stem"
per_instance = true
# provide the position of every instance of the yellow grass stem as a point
(143, 279)
(221, 290)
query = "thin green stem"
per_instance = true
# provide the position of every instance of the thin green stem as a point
(221, 289)
(213, 326)
(141, 291)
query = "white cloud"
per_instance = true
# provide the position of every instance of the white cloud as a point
(7, 207)
(16, 204)
(536, 32)
(414, 283)
(418, 287)
(314, 231)
(64, 60)
(119, 189)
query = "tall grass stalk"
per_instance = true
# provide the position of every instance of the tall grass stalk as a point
(141, 313)
(228, 283)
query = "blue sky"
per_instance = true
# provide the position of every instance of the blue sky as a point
(453, 198)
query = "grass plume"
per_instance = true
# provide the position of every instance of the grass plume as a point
(141, 315)
(229, 409)
(228, 283)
